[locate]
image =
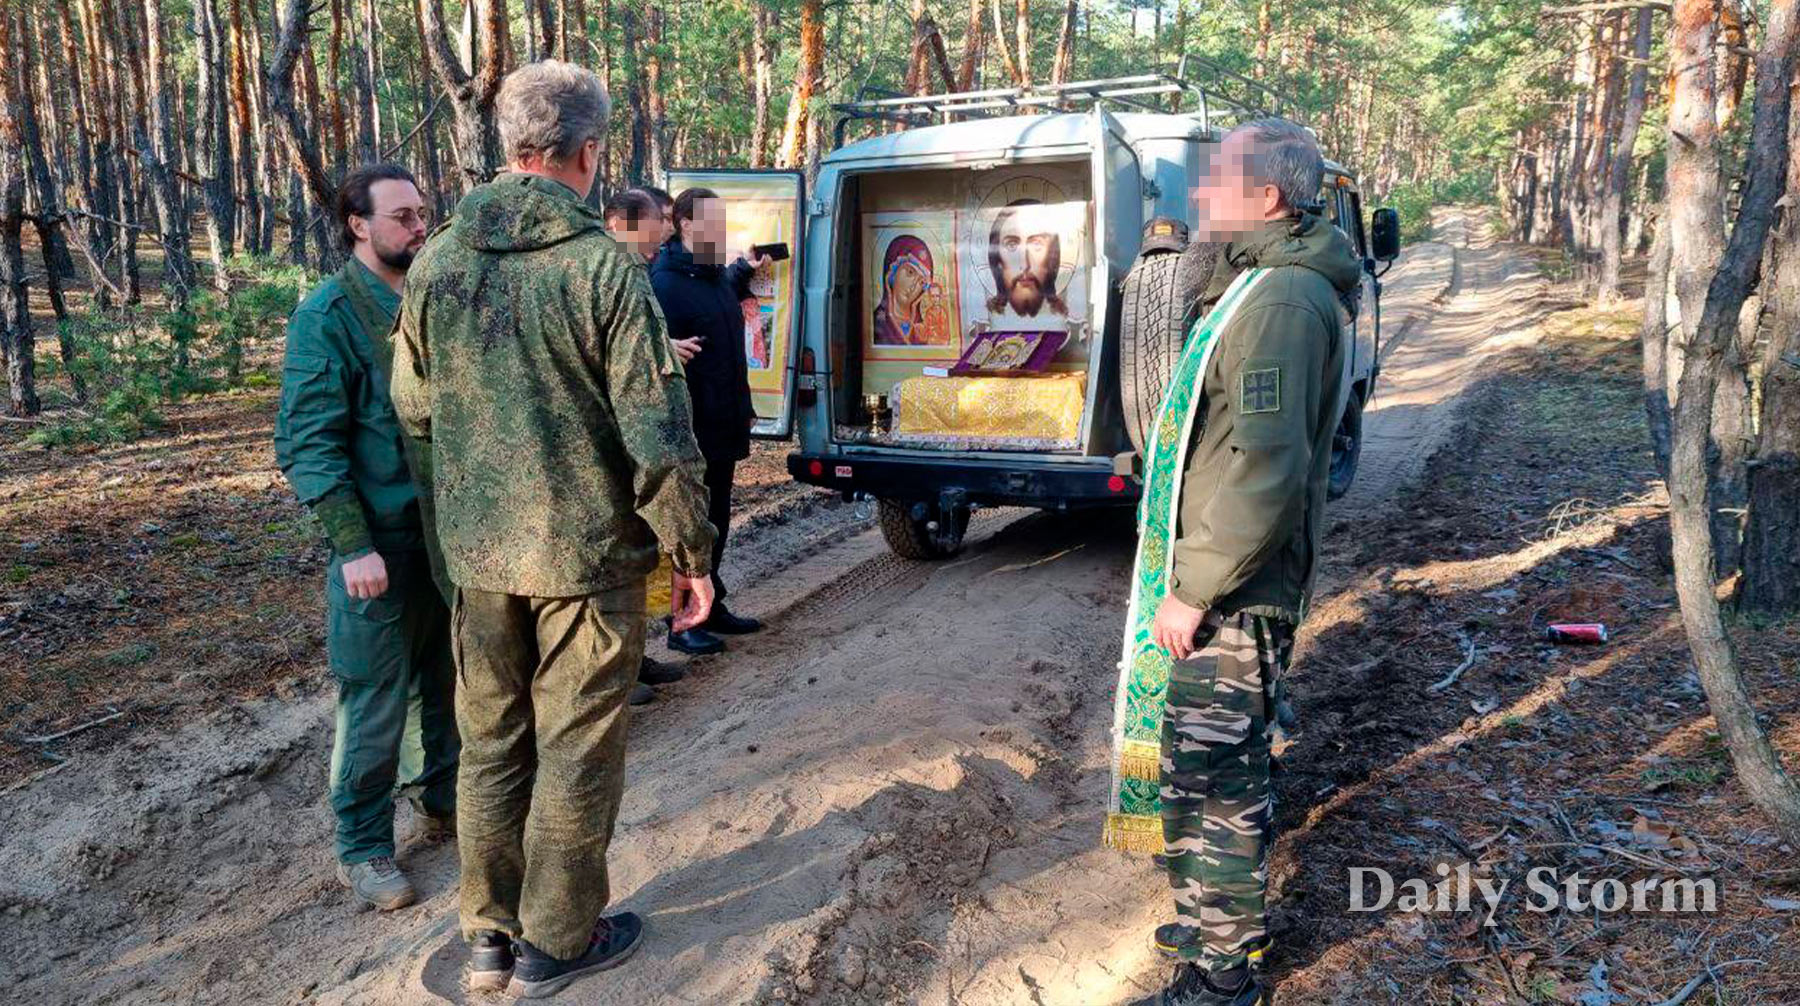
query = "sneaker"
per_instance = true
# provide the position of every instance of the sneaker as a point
(537, 975)
(695, 642)
(379, 882)
(490, 961)
(722, 620)
(1194, 986)
(655, 672)
(641, 695)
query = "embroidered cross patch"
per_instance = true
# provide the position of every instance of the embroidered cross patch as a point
(1260, 391)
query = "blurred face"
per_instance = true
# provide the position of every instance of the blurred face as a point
(1231, 201)
(641, 238)
(395, 227)
(706, 232)
(1028, 262)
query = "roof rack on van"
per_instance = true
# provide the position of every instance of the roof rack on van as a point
(1215, 91)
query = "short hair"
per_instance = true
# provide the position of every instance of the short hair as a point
(664, 201)
(550, 108)
(1054, 264)
(353, 199)
(684, 207)
(632, 205)
(1289, 159)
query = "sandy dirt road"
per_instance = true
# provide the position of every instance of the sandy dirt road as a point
(892, 795)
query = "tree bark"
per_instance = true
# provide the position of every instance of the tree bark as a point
(1619, 173)
(1759, 769)
(1014, 67)
(17, 347)
(470, 90)
(762, 84)
(302, 144)
(1654, 339)
(214, 153)
(808, 77)
(972, 48)
(48, 221)
(1064, 64)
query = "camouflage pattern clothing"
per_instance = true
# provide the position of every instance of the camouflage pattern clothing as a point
(1217, 804)
(531, 357)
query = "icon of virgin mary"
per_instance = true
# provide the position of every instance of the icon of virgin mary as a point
(906, 276)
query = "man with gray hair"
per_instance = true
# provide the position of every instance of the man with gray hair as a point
(532, 365)
(1250, 512)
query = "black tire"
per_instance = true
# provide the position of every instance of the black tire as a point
(1346, 446)
(1161, 298)
(913, 537)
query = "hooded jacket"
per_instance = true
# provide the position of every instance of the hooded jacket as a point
(703, 301)
(1253, 496)
(531, 357)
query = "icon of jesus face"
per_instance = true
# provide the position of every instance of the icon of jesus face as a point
(1024, 257)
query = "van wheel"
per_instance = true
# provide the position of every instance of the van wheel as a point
(1160, 301)
(1346, 446)
(912, 535)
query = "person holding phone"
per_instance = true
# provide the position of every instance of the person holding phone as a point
(701, 299)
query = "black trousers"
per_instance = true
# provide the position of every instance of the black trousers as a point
(719, 475)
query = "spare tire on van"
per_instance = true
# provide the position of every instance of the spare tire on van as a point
(1163, 294)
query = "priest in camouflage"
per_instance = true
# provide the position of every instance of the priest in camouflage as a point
(1250, 517)
(531, 357)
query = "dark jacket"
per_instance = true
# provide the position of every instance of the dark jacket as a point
(1253, 497)
(703, 300)
(529, 356)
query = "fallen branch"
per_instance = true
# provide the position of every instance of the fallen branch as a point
(59, 735)
(1468, 662)
(34, 777)
(1700, 979)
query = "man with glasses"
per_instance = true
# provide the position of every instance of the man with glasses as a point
(387, 628)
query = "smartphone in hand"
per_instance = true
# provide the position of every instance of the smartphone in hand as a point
(777, 252)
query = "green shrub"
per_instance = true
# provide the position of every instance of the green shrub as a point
(132, 362)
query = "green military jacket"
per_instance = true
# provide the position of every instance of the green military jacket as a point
(531, 358)
(336, 437)
(1253, 496)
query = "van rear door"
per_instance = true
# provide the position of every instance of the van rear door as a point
(764, 207)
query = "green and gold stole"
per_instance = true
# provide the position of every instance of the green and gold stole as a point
(1133, 812)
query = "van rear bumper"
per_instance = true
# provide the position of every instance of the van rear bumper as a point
(988, 483)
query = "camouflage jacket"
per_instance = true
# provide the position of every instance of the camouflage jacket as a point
(1253, 496)
(531, 357)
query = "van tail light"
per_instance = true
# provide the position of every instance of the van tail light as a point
(815, 468)
(808, 395)
(1116, 484)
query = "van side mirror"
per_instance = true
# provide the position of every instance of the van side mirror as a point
(1384, 235)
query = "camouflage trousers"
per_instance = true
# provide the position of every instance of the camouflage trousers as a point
(1216, 800)
(540, 699)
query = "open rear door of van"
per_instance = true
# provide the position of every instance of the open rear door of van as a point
(764, 208)
(1118, 189)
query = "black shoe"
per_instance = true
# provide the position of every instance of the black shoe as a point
(539, 975)
(722, 620)
(641, 694)
(490, 961)
(1193, 986)
(697, 642)
(655, 672)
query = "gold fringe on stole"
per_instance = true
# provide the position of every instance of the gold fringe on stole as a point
(1134, 833)
(1140, 760)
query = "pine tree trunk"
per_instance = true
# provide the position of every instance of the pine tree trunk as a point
(1619, 173)
(470, 91)
(1654, 339)
(1758, 766)
(762, 68)
(17, 347)
(972, 48)
(297, 134)
(1064, 64)
(48, 196)
(214, 152)
(806, 81)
